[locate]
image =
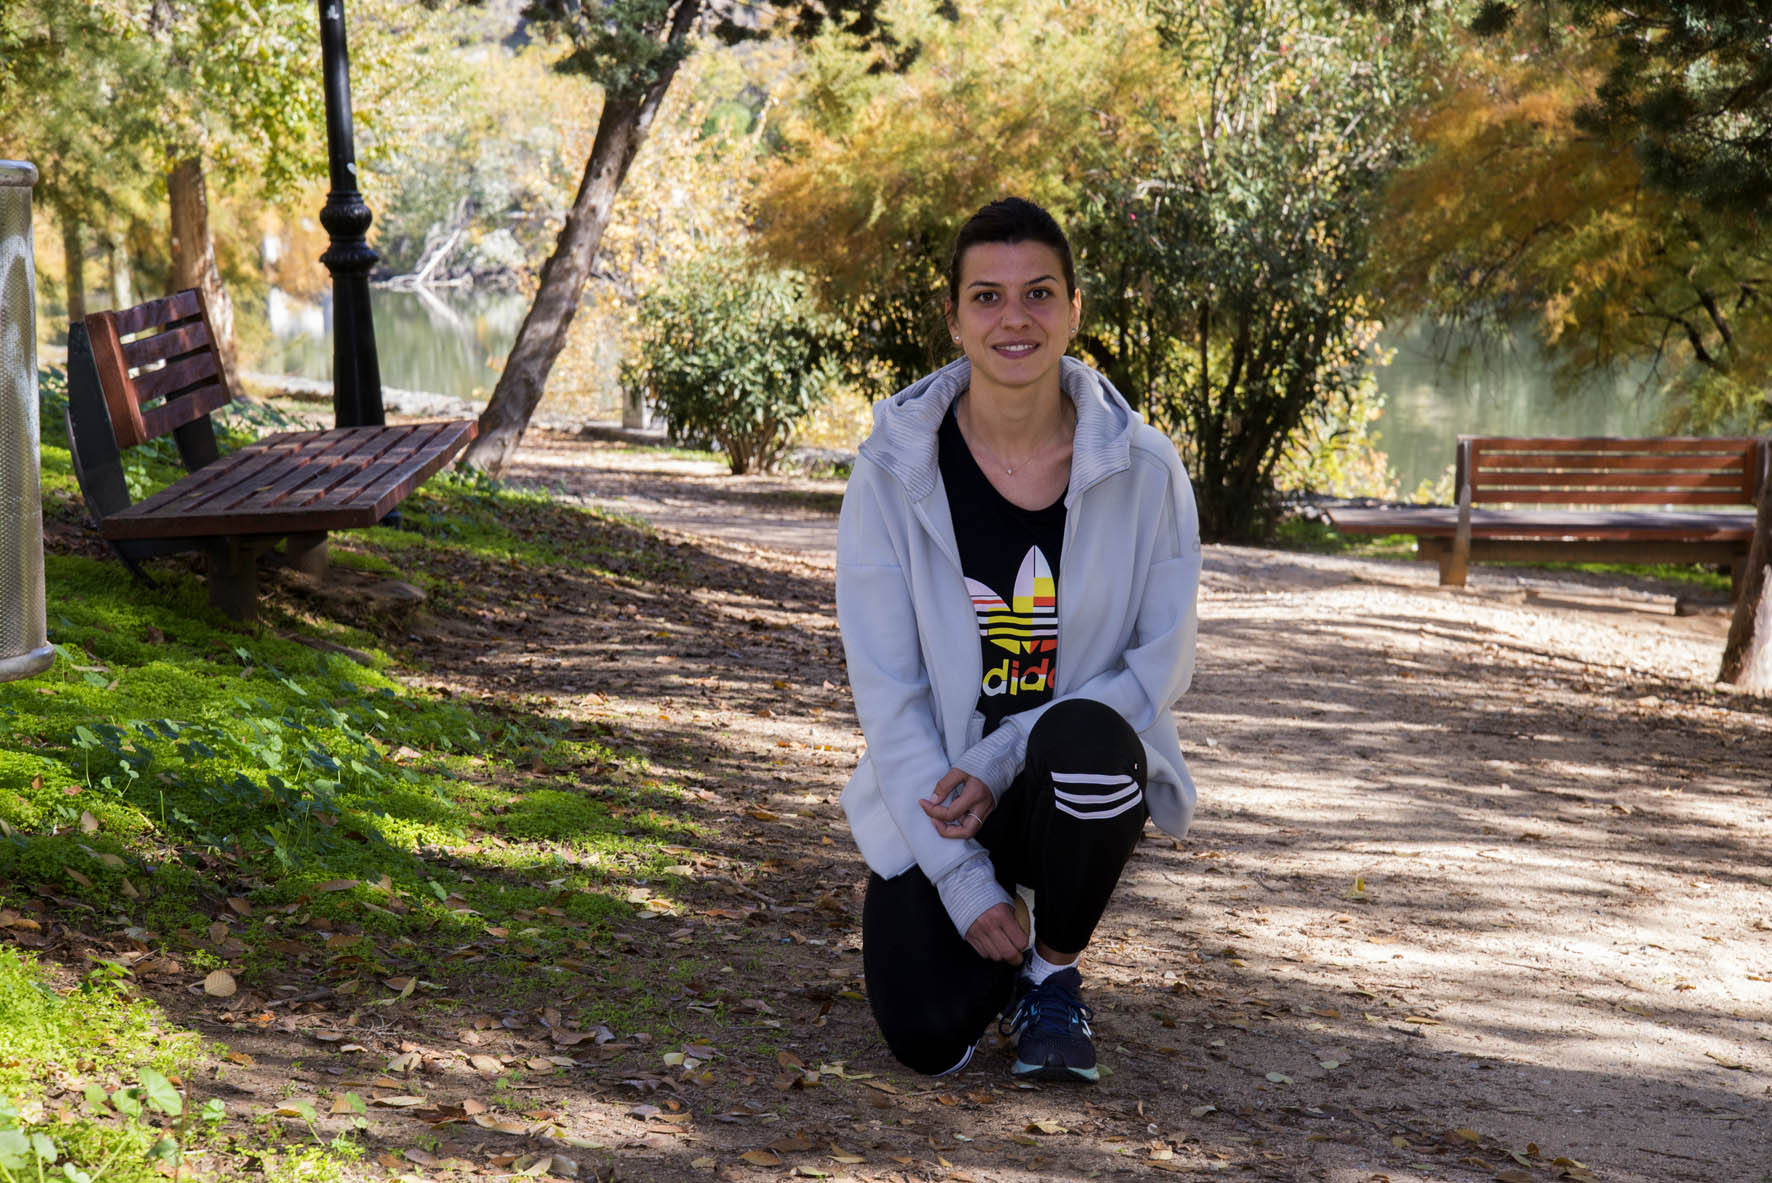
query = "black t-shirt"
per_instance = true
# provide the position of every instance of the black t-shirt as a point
(1010, 558)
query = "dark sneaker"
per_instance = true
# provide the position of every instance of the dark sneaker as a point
(1053, 1024)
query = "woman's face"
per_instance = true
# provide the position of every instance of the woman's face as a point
(1014, 319)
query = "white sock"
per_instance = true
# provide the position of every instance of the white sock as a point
(1039, 969)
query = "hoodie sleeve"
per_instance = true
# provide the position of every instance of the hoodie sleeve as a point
(1157, 664)
(894, 701)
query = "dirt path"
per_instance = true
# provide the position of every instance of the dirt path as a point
(1478, 888)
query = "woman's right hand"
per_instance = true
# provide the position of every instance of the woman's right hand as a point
(997, 937)
(963, 816)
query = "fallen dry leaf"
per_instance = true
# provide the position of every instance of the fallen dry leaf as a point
(488, 1122)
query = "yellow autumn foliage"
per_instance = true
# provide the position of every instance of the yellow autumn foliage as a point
(1513, 212)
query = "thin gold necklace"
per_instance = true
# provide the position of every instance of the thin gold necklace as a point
(1008, 469)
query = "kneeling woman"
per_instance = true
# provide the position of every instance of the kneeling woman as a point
(1016, 570)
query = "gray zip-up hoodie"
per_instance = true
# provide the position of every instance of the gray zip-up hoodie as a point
(1126, 587)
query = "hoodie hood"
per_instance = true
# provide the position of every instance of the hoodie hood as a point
(904, 443)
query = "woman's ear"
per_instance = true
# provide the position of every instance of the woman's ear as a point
(953, 321)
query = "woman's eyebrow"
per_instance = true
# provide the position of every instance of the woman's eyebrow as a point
(992, 283)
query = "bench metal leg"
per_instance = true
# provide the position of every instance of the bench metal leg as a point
(1455, 566)
(307, 553)
(233, 576)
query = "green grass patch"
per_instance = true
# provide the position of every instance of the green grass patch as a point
(174, 772)
(1693, 575)
(115, 1054)
(672, 452)
(1318, 537)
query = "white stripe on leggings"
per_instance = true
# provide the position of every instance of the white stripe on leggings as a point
(1102, 814)
(964, 1060)
(1118, 793)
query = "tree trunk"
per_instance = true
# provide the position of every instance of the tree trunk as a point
(193, 255)
(621, 129)
(1747, 655)
(74, 256)
(117, 273)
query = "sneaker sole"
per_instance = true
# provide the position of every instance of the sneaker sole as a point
(1054, 1072)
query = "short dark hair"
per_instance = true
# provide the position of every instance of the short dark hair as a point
(1010, 220)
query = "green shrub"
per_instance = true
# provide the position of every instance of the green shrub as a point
(736, 355)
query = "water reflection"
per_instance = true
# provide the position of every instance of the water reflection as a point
(448, 341)
(453, 341)
(1439, 388)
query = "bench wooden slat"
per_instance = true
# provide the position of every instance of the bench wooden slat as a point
(1495, 484)
(1696, 444)
(115, 382)
(311, 472)
(253, 492)
(1607, 497)
(393, 468)
(426, 461)
(283, 461)
(1613, 462)
(1723, 479)
(1617, 524)
(209, 486)
(186, 408)
(186, 338)
(170, 310)
(175, 376)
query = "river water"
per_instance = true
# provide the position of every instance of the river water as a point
(448, 341)
(452, 341)
(1438, 388)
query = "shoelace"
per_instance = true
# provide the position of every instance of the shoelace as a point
(1048, 1008)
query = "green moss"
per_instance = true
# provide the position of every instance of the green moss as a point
(100, 1033)
(558, 816)
(1700, 577)
(172, 756)
(1317, 537)
(94, 1024)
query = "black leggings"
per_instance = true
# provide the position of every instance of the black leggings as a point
(1065, 828)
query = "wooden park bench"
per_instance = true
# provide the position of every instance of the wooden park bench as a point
(145, 372)
(1616, 501)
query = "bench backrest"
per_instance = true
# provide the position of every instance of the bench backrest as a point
(1672, 470)
(158, 366)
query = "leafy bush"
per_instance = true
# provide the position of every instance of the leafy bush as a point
(1335, 449)
(1230, 249)
(735, 355)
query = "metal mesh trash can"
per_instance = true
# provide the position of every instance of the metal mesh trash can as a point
(24, 639)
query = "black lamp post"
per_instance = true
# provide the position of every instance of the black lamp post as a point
(356, 375)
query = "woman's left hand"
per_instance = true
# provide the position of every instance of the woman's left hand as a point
(963, 817)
